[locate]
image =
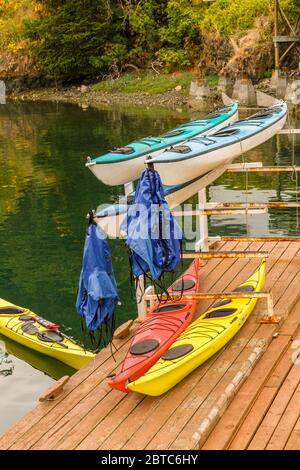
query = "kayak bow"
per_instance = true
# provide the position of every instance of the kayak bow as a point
(124, 164)
(162, 325)
(25, 327)
(201, 340)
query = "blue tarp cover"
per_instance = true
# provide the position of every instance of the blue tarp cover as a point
(153, 236)
(97, 295)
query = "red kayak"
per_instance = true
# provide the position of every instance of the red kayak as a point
(163, 323)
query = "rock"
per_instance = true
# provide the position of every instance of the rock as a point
(244, 92)
(201, 96)
(279, 83)
(178, 88)
(293, 92)
(225, 85)
(83, 89)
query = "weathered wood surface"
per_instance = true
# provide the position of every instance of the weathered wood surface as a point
(90, 415)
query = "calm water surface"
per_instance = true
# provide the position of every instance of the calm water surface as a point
(45, 192)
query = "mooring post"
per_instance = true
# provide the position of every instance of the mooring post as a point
(276, 45)
(202, 243)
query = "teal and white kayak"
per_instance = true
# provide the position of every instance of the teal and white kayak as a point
(124, 164)
(199, 155)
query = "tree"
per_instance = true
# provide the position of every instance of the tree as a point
(77, 38)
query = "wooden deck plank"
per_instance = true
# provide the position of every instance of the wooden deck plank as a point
(245, 433)
(119, 436)
(293, 442)
(159, 428)
(286, 424)
(228, 270)
(34, 416)
(264, 400)
(225, 262)
(90, 415)
(240, 416)
(67, 423)
(140, 435)
(235, 414)
(177, 421)
(276, 410)
(91, 386)
(151, 407)
(183, 440)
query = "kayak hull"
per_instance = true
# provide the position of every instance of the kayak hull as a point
(125, 170)
(70, 353)
(162, 325)
(113, 216)
(206, 155)
(205, 336)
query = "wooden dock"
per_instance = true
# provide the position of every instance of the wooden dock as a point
(246, 396)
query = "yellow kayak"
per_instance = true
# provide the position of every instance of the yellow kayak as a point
(27, 328)
(203, 338)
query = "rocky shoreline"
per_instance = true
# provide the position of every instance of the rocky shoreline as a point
(86, 96)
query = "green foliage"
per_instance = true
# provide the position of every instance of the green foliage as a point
(76, 38)
(85, 38)
(145, 82)
(180, 36)
(230, 16)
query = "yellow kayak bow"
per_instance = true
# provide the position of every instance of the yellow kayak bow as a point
(201, 340)
(30, 330)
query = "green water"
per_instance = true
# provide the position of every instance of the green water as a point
(45, 193)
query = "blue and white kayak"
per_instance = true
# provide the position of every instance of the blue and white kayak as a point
(110, 217)
(199, 155)
(124, 164)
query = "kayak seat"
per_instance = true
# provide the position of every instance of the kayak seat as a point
(143, 347)
(11, 310)
(246, 288)
(183, 284)
(177, 351)
(169, 308)
(123, 150)
(221, 312)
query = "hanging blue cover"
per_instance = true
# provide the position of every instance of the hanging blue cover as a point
(153, 236)
(97, 295)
